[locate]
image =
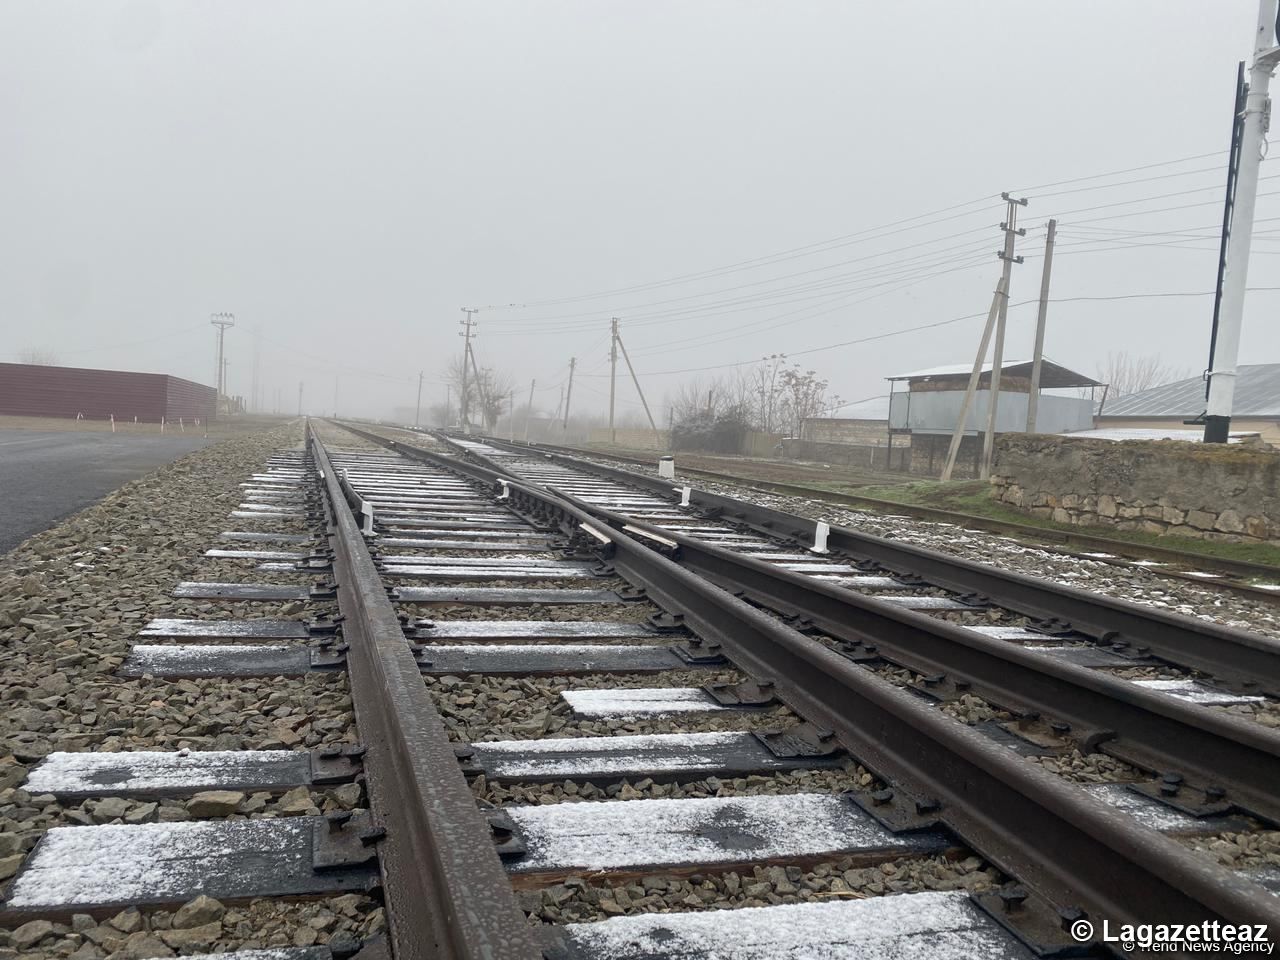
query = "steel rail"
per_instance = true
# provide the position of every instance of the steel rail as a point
(1223, 758)
(1232, 656)
(1127, 548)
(447, 894)
(1236, 760)
(1081, 856)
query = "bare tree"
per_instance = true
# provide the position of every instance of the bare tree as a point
(803, 395)
(488, 391)
(767, 391)
(1130, 374)
(40, 356)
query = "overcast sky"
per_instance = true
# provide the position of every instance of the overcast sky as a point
(343, 177)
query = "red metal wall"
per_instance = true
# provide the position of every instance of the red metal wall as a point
(36, 390)
(188, 400)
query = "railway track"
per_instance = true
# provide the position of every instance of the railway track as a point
(588, 708)
(1259, 581)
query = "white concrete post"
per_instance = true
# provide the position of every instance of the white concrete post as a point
(1257, 108)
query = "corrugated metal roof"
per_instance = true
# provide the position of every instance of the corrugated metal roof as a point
(1147, 433)
(1052, 375)
(1257, 395)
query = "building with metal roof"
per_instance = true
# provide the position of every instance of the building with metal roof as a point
(1256, 408)
(925, 414)
(1053, 376)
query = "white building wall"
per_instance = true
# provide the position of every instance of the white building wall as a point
(936, 411)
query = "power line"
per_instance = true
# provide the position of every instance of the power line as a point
(778, 257)
(572, 320)
(1116, 173)
(941, 323)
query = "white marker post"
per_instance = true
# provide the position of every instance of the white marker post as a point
(506, 490)
(113, 423)
(820, 533)
(684, 495)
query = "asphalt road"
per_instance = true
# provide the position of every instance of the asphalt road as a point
(45, 476)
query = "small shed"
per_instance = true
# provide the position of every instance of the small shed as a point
(925, 414)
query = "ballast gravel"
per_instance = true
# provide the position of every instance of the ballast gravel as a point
(71, 602)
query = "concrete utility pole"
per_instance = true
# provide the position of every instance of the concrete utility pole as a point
(417, 413)
(636, 380)
(221, 321)
(466, 324)
(1011, 232)
(528, 412)
(299, 398)
(568, 397)
(613, 376)
(255, 398)
(1033, 399)
(972, 388)
(1257, 108)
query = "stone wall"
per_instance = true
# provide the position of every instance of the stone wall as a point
(1207, 491)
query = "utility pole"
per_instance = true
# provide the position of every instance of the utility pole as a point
(972, 388)
(299, 398)
(613, 376)
(529, 410)
(226, 363)
(417, 413)
(1257, 107)
(1033, 398)
(221, 321)
(335, 395)
(1011, 232)
(255, 398)
(636, 380)
(568, 397)
(466, 324)
(1224, 241)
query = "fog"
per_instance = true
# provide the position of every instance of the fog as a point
(344, 177)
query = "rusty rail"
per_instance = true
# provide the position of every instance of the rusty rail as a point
(447, 894)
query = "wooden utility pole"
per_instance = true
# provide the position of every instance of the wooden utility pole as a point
(1033, 399)
(974, 377)
(613, 376)
(568, 397)
(417, 413)
(1011, 232)
(466, 324)
(528, 411)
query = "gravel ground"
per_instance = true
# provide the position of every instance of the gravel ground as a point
(202, 925)
(1124, 583)
(580, 899)
(479, 708)
(71, 601)
(1240, 851)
